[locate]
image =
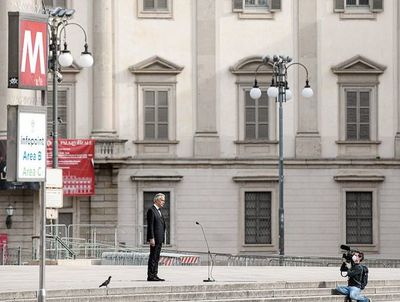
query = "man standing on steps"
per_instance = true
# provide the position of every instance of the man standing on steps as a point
(355, 281)
(155, 236)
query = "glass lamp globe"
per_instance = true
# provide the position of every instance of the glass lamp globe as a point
(10, 210)
(65, 58)
(85, 60)
(289, 94)
(255, 93)
(272, 91)
(307, 92)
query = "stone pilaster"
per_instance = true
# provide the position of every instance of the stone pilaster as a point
(103, 99)
(206, 140)
(308, 140)
(397, 137)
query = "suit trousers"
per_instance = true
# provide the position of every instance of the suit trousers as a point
(154, 257)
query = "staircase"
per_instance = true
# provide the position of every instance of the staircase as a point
(383, 291)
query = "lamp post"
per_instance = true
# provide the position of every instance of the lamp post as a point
(279, 89)
(10, 212)
(58, 21)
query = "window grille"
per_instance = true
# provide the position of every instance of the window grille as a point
(258, 218)
(359, 218)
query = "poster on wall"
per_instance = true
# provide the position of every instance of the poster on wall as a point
(76, 159)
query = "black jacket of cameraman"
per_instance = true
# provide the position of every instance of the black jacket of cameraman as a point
(355, 274)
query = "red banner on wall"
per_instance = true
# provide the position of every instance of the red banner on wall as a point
(76, 159)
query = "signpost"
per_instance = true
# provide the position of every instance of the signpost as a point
(27, 51)
(26, 126)
(26, 148)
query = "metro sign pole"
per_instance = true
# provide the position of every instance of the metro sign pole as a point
(27, 69)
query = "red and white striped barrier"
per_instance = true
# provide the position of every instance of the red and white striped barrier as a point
(169, 259)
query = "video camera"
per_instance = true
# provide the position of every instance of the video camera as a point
(348, 254)
(347, 258)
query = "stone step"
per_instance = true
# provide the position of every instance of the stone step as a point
(395, 297)
(277, 291)
(129, 298)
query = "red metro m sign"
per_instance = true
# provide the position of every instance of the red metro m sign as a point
(27, 51)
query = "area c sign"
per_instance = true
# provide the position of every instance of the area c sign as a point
(27, 51)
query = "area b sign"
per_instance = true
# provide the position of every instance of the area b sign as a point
(27, 51)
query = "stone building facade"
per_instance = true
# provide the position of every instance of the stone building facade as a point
(167, 101)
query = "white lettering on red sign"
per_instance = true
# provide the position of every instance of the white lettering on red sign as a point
(33, 52)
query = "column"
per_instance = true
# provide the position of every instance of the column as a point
(308, 140)
(103, 99)
(397, 83)
(206, 139)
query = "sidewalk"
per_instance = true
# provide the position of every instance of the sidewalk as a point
(25, 278)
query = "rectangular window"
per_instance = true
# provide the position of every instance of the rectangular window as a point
(156, 115)
(258, 218)
(256, 117)
(357, 115)
(359, 224)
(357, 2)
(166, 213)
(62, 107)
(256, 3)
(54, 3)
(155, 5)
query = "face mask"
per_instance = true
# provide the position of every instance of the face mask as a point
(354, 258)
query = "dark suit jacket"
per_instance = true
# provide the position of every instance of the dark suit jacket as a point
(155, 225)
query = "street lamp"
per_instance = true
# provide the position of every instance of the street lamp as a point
(10, 212)
(58, 22)
(279, 89)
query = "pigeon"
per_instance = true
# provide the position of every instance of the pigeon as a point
(105, 283)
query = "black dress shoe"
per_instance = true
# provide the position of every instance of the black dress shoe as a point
(152, 279)
(159, 279)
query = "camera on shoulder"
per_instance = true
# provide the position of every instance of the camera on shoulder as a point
(346, 257)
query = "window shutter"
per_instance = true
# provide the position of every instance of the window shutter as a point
(275, 5)
(338, 6)
(62, 108)
(376, 5)
(162, 4)
(62, 114)
(351, 115)
(237, 5)
(364, 115)
(148, 4)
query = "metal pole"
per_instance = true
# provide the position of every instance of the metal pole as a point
(19, 255)
(281, 87)
(54, 63)
(42, 201)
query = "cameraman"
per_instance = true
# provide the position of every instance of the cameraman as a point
(354, 273)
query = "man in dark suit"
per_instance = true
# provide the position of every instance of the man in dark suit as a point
(155, 236)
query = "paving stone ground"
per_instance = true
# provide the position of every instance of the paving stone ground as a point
(24, 278)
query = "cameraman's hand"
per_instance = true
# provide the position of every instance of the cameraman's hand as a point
(344, 267)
